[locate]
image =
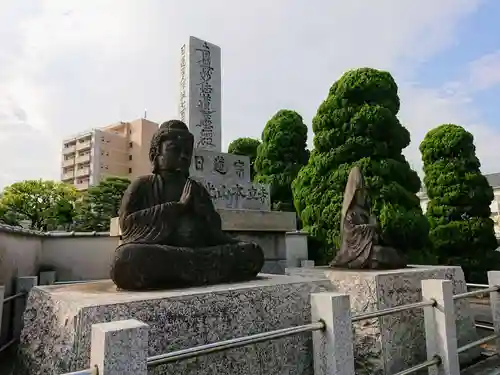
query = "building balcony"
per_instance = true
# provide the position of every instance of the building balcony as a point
(83, 145)
(70, 175)
(68, 162)
(69, 150)
(83, 172)
(82, 185)
(82, 159)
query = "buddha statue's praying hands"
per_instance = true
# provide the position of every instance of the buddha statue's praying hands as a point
(171, 232)
(359, 232)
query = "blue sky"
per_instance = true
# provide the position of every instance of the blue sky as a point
(477, 35)
(70, 65)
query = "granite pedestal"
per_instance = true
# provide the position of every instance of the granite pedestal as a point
(58, 319)
(387, 345)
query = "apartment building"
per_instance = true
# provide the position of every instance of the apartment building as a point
(119, 149)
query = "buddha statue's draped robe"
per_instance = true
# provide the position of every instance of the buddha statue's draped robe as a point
(164, 246)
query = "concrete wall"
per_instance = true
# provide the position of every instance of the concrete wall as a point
(89, 258)
(20, 253)
(79, 258)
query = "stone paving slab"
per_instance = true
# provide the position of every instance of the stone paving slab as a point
(490, 366)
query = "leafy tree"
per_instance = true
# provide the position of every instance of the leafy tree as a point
(247, 147)
(357, 125)
(101, 203)
(458, 211)
(46, 204)
(8, 217)
(281, 155)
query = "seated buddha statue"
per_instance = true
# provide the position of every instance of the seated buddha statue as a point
(171, 232)
(360, 248)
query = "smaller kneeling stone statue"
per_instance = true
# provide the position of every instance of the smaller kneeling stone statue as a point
(171, 232)
(359, 247)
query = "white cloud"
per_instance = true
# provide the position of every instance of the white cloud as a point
(68, 65)
(485, 71)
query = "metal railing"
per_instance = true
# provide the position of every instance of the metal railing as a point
(232, 343)
(5, 300)
(436, 360)
(489, 289)
(483, 290)
(14, 296)
(320, 325)
(75, 282)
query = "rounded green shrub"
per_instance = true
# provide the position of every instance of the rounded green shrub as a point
(247, 147)
(461, 231)
(357, 125)
(281, 155)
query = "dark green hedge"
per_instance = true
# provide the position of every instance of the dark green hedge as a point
(281, 155)
(248, 147)
(357, 125)
(461, 232)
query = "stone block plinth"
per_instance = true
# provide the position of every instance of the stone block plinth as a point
(389, 344)
(58, 323)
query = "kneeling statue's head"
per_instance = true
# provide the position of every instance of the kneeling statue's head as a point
(171, 148)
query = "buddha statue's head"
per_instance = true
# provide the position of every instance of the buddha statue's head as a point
(171, 148)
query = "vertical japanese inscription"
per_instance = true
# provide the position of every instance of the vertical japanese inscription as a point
(205, 97)
(183, 85)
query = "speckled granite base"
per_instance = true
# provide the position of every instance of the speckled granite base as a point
(58, 320)
(393, 343)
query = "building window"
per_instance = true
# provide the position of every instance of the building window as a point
(102, 153)
(130, 157)
(130, 131)
(107, 153)
(130, 144)
(130, 170)
(106, 167)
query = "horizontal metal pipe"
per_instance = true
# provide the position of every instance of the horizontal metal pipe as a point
(471, 285)
(484, 326)
(75, 282)
(434, 361)
(471, 345)
(14, 296)
(392, 310)
(232, 343)
(474, 293)
(7, 345)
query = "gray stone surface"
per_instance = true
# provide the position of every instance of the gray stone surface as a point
(490, 366)
(220, 165)
(120, 347)
(296, 248)
(386, 345)
(58, 320)
(237, 195)
(200, 105)
(333, 347)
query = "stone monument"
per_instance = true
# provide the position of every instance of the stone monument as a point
(171, 232)
(225, 176)
(244, 207)
(376, 277)
(359, 232)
